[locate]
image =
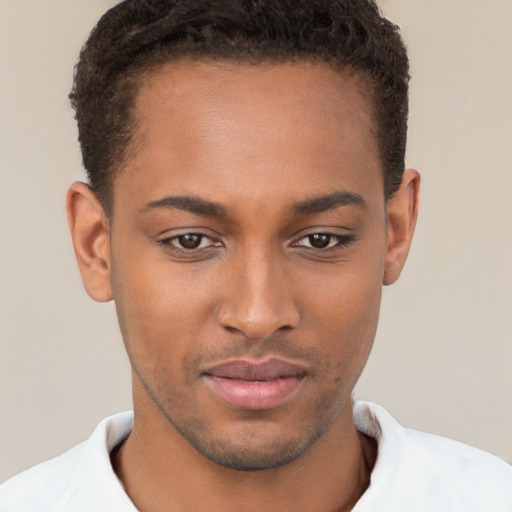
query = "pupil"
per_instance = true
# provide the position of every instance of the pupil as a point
(190, 241)
(319, 240)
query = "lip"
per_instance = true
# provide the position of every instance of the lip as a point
(254, 385)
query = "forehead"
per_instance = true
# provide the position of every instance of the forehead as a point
(229, 81)
(211, 128)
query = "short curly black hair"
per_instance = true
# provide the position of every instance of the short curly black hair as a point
(137, 35)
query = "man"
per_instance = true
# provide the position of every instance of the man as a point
(247, 201)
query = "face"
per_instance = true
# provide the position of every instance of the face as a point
(248, 246)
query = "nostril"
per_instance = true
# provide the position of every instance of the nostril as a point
(232, 330)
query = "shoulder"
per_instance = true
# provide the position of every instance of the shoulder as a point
(458, 470)
(42, 487)
(432, 472)
(60, 483)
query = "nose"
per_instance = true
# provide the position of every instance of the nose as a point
(258, 298)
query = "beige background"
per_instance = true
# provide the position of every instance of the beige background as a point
(443, 355)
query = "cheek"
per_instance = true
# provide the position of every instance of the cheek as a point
(342, 313)
(160, 307)
(352, 320)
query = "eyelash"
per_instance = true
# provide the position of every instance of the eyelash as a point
(168, 242)
(341, 241)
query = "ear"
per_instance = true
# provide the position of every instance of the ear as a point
(402, 213)
(90, 232)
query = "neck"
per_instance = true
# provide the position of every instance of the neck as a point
(161, 472)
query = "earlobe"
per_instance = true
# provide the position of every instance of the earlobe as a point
(90, 232)
(402, 213)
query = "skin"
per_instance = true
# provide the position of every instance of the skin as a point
(263, 144)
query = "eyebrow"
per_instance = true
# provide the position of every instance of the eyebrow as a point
(187, 203)
(307, 207)
(328, 202)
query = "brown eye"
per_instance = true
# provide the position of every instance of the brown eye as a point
(320, 240)
(191, 246)
(189, 241)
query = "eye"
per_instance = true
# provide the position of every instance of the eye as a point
(189, 242)
(321, 241)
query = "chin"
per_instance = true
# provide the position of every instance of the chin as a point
(250, 447)
(253, 458)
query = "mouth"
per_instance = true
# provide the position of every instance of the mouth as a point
(255, 385)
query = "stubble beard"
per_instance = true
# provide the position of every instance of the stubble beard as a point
(240, 454)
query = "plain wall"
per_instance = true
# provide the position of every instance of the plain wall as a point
(443, 354)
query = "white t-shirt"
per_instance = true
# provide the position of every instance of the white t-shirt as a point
(414, 472)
